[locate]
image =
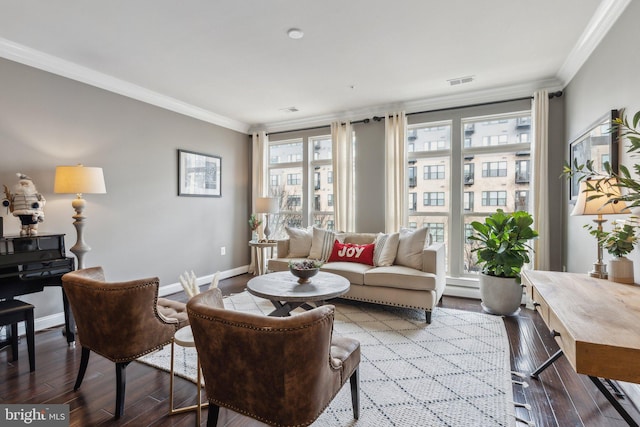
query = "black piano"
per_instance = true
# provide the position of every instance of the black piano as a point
(28, 264)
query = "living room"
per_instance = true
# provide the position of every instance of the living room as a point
(141, 227)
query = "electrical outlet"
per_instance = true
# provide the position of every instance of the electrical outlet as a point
(223, 250)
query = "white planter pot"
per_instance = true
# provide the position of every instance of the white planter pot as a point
(501, 296)
(621, 270)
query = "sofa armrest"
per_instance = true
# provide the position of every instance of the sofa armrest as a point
(433, 261)
(282, 248)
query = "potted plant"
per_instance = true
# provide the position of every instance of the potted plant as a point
(619, 242)
(254, 223)
(502, 252)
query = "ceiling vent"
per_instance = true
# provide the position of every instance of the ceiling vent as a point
(461, 80)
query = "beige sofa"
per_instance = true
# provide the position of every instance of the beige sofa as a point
(395, 285)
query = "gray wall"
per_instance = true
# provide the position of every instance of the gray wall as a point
(141, 227)
(608, 80)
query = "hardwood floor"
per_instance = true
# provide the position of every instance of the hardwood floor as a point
(559, 398)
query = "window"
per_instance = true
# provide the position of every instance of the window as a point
(301, 176)
(294, 179)
(433, 199)
(497, 147)
(294, 202)
(285, 183)
(522, 171)
(494, 198)
(468, 201)
(413, 178)
(413, 202)
(494, 169)
(468, 173)
(322, 212)
(437, 230)
(432, 172)
(521, 200)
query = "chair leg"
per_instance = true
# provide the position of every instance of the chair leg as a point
(428, 315)
(121, 379)
(84, 361)
(212, 418)
(31, 345)
(14, 341)
(354, 382)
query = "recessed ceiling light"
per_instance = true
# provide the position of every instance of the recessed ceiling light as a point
(295, 33)
(290, 110)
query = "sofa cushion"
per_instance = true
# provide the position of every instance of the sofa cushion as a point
(401, 277)
(322, 243)
(299, 241)
(351, 271)
(282, 264)
(386, 249)
(410, 246)
(348, 252)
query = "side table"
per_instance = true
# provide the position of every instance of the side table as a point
(184, 337)
(260, 250)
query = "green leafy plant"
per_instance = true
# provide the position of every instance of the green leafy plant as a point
(503, 237)
(622, 237)
(254, 222)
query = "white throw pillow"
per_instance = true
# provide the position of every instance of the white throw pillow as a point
(322, 243)
(410, 247)
(299, 241)
(386, 249)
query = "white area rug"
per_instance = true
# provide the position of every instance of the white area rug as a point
(454, 372)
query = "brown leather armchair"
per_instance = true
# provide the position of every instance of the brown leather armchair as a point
(118, 321)
(283, 371)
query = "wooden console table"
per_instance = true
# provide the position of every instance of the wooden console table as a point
(595, 322)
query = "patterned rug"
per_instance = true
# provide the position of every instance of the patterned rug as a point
(453, 372)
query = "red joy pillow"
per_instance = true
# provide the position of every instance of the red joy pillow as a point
(348, 252)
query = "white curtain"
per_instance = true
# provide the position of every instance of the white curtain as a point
(396, 199)
(343, 176)
(259, 186)
(540, 119)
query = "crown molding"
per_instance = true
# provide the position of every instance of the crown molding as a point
(601, 22)
(423, 104)
(40, 60)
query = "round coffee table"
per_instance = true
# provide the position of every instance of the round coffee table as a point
(286, 294)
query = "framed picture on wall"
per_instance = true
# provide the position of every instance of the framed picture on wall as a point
(199, 174)
(598, 144)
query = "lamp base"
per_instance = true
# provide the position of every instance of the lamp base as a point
(599, 271)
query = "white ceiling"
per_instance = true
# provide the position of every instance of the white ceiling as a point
(230, 62)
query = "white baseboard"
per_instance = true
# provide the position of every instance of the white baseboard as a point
(57, 319)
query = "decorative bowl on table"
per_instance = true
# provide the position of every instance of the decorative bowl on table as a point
(304, 270)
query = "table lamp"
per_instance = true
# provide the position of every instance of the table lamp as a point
(79, 180)
(589, 203)
(267, 206)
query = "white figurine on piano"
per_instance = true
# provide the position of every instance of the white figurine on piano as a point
(25, 203)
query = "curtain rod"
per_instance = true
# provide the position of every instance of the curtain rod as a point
(378, 118)
(316, 127)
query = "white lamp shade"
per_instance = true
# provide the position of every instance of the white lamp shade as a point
(78, 180)
(267, 205)
(597, 206)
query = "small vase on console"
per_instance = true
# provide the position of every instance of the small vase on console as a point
(621, 270)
